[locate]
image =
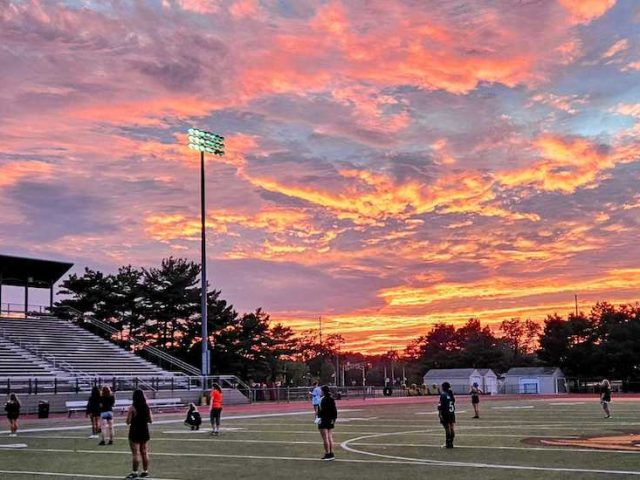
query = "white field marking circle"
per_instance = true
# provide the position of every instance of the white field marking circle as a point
(345, 445)
(566, 403)
(483, 447)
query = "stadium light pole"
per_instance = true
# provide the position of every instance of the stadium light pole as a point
(204, 142)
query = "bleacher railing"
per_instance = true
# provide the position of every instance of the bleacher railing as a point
(71, 384)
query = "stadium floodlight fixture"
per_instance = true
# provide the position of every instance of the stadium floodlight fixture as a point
(206, 142)
(212, 143)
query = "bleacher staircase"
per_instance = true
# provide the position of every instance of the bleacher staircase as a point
(44, 353)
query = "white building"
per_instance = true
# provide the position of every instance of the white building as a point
(489, 383)
(535, 380)
(460, 379)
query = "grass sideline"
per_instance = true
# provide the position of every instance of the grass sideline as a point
(399, 438)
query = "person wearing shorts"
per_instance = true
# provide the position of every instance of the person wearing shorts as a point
(138, 419)
(605, 397)
(475, 399)
(216, 409)
(327, 415)
(316, 396)
(447, 413)
(107, 401)
(12, 407)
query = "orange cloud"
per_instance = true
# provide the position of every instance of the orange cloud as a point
(13, 172)
(567, 164)
(584, 11)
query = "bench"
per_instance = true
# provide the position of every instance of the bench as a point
(73, 406)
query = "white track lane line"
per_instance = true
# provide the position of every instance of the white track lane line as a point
(168, 422)
(72, 475)
(345, 445)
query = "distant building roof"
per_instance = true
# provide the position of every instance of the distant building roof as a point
(21, 271)
(484, 371)
(450, 372)
(543, 371)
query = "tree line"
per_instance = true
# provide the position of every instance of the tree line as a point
(161, 307)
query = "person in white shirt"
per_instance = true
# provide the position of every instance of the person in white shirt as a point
(316, 396)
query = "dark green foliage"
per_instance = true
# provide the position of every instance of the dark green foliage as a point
(161, 306)
(604, 344)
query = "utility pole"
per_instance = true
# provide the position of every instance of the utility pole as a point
(320, 327)
(576, 297)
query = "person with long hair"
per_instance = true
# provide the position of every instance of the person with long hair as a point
(475, 399)
(327, 415)
(447, 413)
(216, 409)
(12, 407)
(605, 397)
(93, 411)
(107, 401)
(138, 419)
(193, 420)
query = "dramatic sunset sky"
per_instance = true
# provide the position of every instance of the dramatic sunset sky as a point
(390, 164)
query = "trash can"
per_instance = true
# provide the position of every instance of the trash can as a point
(43, 409)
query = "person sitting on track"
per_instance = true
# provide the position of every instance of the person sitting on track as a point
(327, 415)
(138, 419)
(475, 399)
(447, 413)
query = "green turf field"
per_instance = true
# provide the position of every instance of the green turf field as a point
(375, 442)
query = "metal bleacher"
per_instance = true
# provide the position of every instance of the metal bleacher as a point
(16, 362)
(70, 349)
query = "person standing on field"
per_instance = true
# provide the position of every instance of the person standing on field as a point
(138, 419)
(93, 411)
(475, 399)
(447, 413)
(316, 396)
(327, 415)
(107, 402)
(12, 407)
(605, 397)
(216, 409)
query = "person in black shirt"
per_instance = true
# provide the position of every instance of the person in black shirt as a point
(107, 401)
(447, 413)
(93, 411)
(605, 397)
(138, 419)
(194, 419)
(327, 415)
(475, 399)
(12, 407)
